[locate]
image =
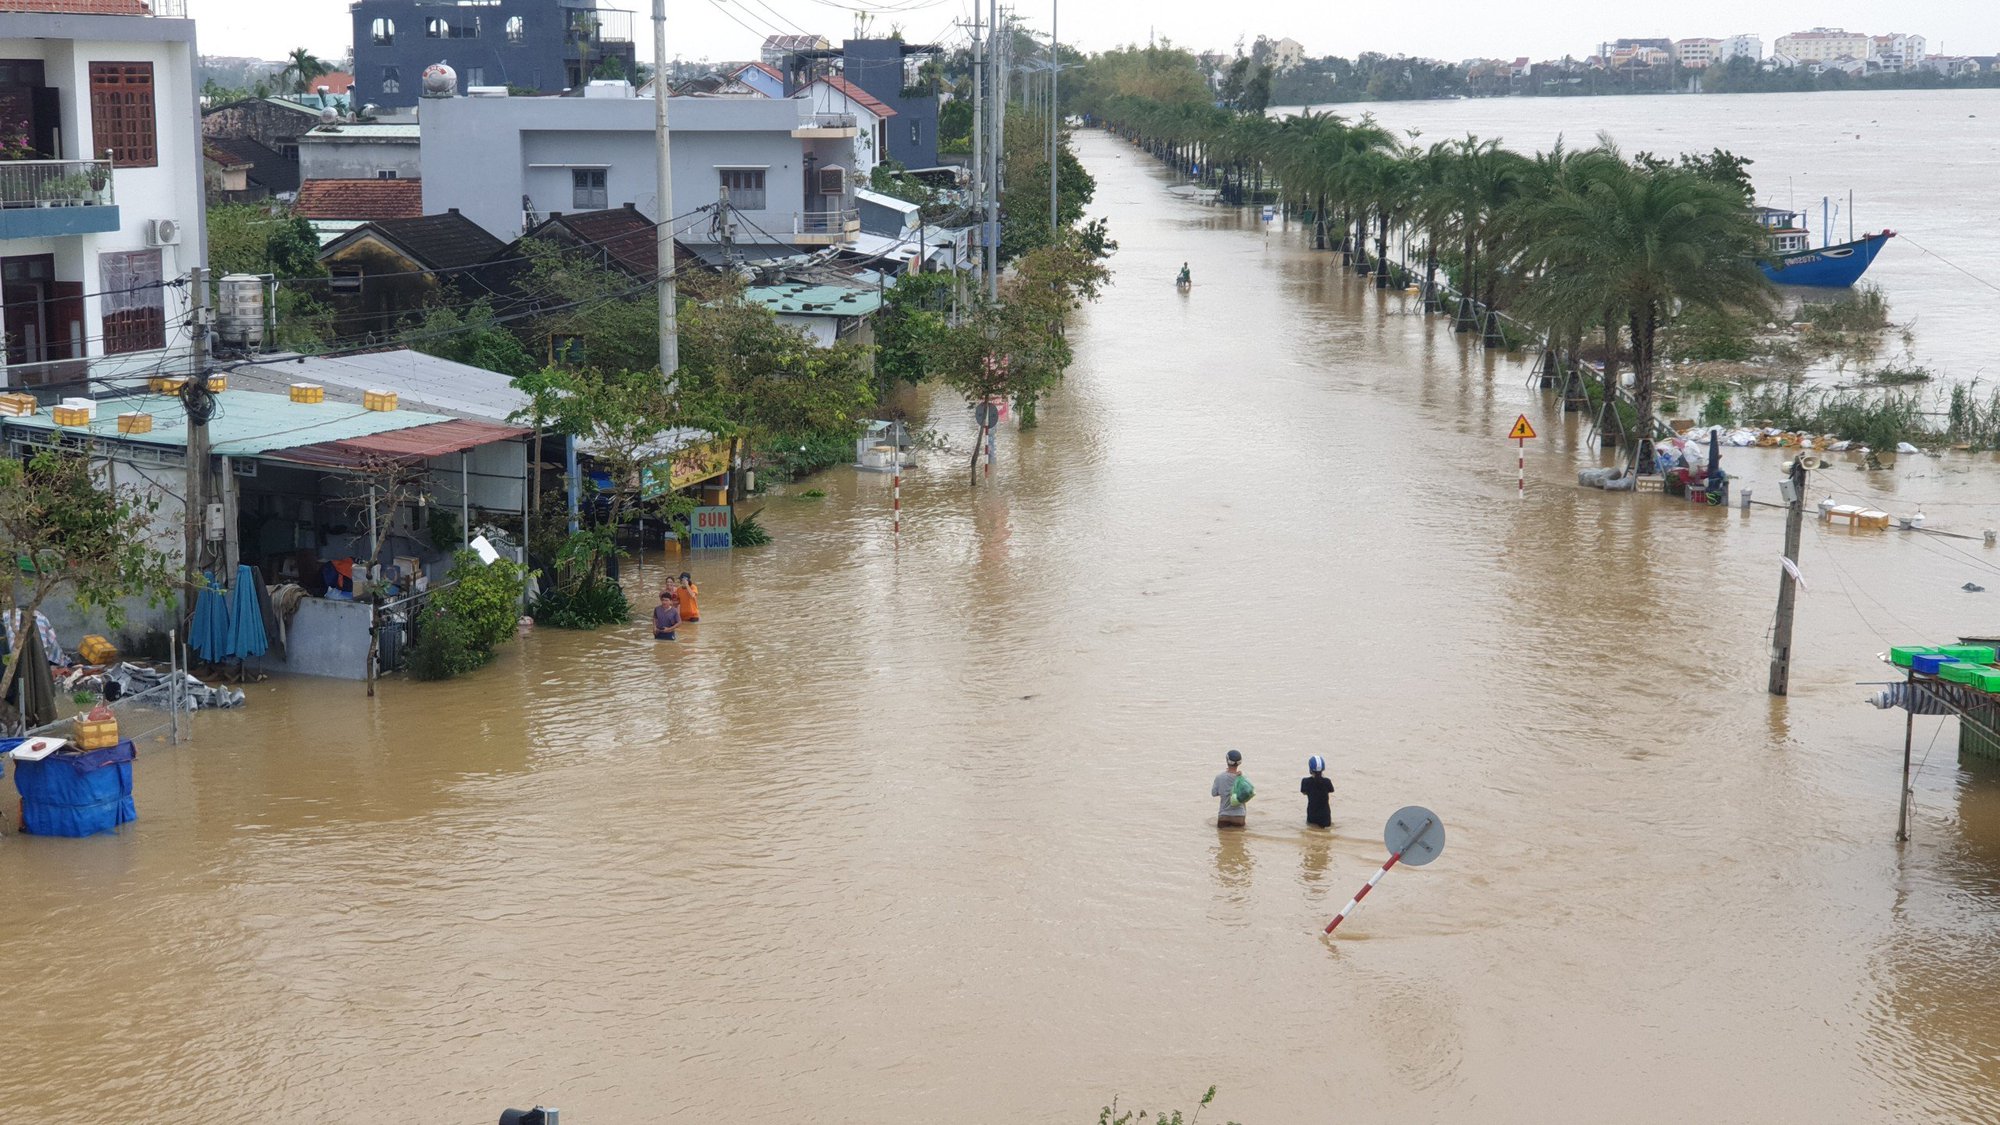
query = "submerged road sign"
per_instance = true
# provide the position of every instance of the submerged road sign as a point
(1415, 836)
(1522, 430)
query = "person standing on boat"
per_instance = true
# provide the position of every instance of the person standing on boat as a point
(1230, 813)
(1319, 793)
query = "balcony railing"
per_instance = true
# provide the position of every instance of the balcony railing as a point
(826, 222)
(55, 183)
(596, 25)
(830, 121)
(169, 9)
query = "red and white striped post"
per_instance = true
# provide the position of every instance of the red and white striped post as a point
(896, 490)
(1363, 892)
(1520, 434)
(1412, 831)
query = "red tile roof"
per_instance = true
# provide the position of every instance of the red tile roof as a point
(81, 7)
(859, 96)
(366, 200)
(335, 81)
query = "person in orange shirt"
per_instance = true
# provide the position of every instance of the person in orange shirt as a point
(684, 594)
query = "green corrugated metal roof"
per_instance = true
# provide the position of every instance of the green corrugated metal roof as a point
(246, 423)
(814, 300)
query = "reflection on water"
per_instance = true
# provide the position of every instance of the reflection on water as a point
(890, 813)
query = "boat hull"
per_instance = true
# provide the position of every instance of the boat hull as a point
(1829, 267)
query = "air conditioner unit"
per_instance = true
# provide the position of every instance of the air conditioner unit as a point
(163, 232)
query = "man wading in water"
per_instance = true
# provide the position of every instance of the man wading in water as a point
(1230, 813)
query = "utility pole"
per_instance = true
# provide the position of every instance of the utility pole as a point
(670, 342)
(1781, 640)
(196, 401)
(991, 236)
(1055, 116)
(978, 125)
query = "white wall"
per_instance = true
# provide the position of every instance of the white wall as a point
(322, 158)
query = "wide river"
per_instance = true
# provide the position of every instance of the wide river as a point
(921, 832)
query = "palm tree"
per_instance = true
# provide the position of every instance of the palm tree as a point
(1647, 243)
(301, 67)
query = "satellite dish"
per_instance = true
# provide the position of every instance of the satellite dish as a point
(440, 81)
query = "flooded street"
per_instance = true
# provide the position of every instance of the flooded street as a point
(922, 833)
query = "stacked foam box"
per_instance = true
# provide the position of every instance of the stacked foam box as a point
(18, 405)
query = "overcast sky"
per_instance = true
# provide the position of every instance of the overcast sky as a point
(1447, 29)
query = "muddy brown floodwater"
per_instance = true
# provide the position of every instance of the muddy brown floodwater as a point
(923, 834)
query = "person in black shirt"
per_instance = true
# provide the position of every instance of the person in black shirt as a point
(1319, 793)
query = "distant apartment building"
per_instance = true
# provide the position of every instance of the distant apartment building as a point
(546, 45)
(1896, 52)
(1696, 54)
(1821, 45)
(1740, 47)
(101, 189)
(1287, 54)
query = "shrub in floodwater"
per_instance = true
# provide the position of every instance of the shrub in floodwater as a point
(1893, 375)
(746, 531)
(813, 494)
(586, 605)
(1110, 1114)
(468, 617)
(1865, 310)
(1715, 411)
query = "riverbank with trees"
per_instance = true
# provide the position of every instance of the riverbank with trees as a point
(1622, 267)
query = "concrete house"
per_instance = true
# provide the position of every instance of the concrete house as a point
(101, 188)
(384, 271)
(508, 163)
(364, 150)
(886, 69)
(836, 100)
(546, 45)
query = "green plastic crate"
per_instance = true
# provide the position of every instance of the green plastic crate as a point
(1900, 656)
(1970, 654)
(1959, 673)
(1985, 679)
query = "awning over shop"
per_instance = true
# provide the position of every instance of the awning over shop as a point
(418, 443)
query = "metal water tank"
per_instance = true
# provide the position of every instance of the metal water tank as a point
(239, 320)
(440, 81)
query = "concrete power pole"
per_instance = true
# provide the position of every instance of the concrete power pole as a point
(670, 342)
(1781, 638)
(979, 128)
(993, 107)
(199, 406)
(1055, 115)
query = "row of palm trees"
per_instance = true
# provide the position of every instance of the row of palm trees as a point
(1577, 244)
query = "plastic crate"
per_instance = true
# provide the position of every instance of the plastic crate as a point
(308, 392)
(96, 735)
(1971, 654)
(1928, 663)
(379, 400)
(18, 405)
(1901, 655)
(1985, 679)
(136, 422)
(96, 650)
(1957, 672)
(166, 384)
(71, 416)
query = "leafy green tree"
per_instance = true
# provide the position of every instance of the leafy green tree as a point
(63, 529)
(472, 336)
(301, 67)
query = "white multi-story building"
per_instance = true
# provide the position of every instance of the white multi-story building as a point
(101, 206)
(787, 170)
(1822, 45)
(1740, 47)
(1696, 54)
(1287, 54)
(1896, 52)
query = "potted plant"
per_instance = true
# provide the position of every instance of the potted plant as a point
(66, 191)
(99, 173)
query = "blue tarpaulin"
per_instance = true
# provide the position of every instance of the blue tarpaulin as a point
(75, 794)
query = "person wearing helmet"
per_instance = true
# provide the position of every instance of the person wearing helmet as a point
(1230, 813)
(1319, 793)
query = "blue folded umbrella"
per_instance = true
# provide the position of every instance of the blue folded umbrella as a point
(246, 617)
(208, 633)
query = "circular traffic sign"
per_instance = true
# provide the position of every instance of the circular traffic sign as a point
(1415, 833)
(987, 415)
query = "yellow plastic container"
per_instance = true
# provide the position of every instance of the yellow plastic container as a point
(379, 400)
(72, 416)
(97, 650)
(308, 392)
(90, 735)
(18, 405)
(136, 422)
(167, 384)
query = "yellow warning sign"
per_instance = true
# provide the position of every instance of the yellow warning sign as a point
(1521, 429)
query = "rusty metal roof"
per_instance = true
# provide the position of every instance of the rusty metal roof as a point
(417, 443)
